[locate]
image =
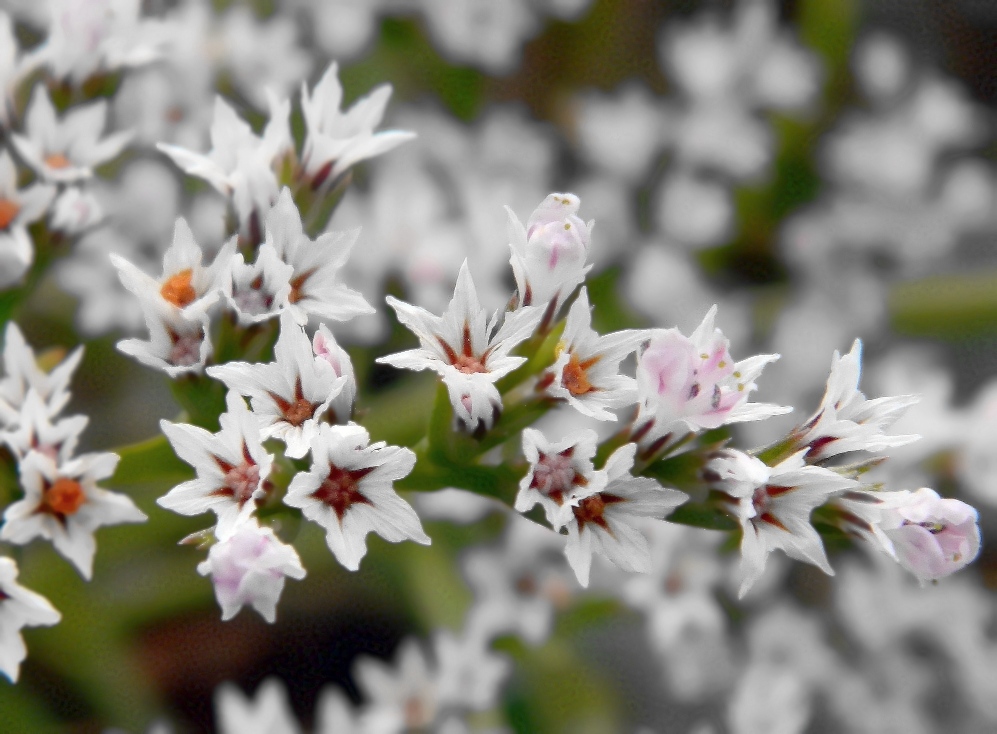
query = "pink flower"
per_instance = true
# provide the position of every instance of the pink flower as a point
(933, 537)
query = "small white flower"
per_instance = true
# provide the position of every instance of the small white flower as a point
(18, 208)
(249, 567)
(267, 712)
(348, 491)
(558, 471)
(259, 291)
(466, 348)
(587, 370)
(846, 420)
(19, 607)
(605, 521)
(337, 140)
(232, 466)
(315, 287)
(241, 164)
(22, 374)
(177, 344)
(773, 505)
(289, 395)
(35, 431)
(549, 253)
(63, 503)
(186, 284)
(66, 150)
(75, 210)
(693, 383)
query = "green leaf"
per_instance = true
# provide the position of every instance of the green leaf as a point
(699, 515)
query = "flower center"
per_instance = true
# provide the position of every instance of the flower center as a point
(185, 349)
(555, 475)
(178, 290)
(341, 489)
(64, 496)
(242, 481)
(574, 378)
(8, 210)
(298, 284)
(57, 161)
(469, 365)
(592, 509)
(298, 410)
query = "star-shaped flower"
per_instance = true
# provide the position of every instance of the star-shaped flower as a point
(337, 140)
(63, 503)
(66, 150)
(558, 471)
(185, 284)
(289, 395)
(348, 491)
(35, 431)
(846, 420)
(466, 348)
(259, 291)
(773, 506)
(587, 370)
(314, 285)
(177, 344)
(232, 466)
(19, 607)
(22, 374)
(605, 520)
(693, 382)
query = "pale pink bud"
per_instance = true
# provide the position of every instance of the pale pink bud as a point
(933, 537)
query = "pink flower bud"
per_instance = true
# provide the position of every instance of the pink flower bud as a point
(933, 537)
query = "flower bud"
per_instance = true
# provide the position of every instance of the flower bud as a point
(933, 537)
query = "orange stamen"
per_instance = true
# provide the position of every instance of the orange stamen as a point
(178, 290)
(8, 210)
(57, 160)
(64, 497)
(574, 377)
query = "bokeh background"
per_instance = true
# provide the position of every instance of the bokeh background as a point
(823, 170)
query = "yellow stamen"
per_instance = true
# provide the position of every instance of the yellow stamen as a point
(178, 290)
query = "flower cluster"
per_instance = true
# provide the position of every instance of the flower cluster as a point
(60, 501)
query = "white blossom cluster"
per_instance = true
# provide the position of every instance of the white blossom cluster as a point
(60, 499)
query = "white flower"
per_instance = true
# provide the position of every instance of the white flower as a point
(90, 36)
(403, 697)
(18, 208)
(63, 503)
(605, 521)
(75, 210)
(232, 466)
(241, 164)
(694, 383)
(267, 712)
(315, 287)
(587, 370)
(66, 150)
(337, 140)
(845, 420)
(466, 348)
(177, 344)
(186, 284)
(248, 567)
(35, 431)
(259, 291)
(348, 491)
(549, 253)
(291, 394)
(22, 374)
(19, 607)
(558, 471)
(325, 347)
(773, 505)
